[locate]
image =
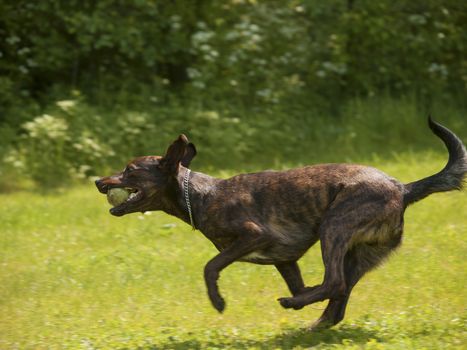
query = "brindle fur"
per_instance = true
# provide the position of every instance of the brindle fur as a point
(274, 217)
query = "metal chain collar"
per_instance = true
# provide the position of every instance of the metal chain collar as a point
(187, 196)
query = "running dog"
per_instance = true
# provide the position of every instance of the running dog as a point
(274, 217)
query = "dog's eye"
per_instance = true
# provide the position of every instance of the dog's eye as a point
(127, 170)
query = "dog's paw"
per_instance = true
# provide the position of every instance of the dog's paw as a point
(320, 324)
(290, 303)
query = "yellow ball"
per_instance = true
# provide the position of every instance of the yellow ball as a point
(117, 196)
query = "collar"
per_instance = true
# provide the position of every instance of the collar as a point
(186, 184)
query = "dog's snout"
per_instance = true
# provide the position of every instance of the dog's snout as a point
(101, 186)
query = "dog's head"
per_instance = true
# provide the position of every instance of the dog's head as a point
(148, 179)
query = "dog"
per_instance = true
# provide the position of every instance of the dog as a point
(274, 217)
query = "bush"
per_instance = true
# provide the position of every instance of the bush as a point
(72, 140)
(56, 148)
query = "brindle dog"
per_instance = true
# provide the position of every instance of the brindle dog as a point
(274, 217)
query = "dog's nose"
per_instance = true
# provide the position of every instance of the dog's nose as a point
(101, 186)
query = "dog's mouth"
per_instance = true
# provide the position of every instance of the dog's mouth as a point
(124, 199)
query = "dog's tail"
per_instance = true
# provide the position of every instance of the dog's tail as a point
(450, 178)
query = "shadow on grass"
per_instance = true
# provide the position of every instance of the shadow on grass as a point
(288, 339)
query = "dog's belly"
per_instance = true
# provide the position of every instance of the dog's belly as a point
(278, 252)
(273, 257)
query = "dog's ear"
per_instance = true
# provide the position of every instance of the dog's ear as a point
(190, 153)
(180, 151)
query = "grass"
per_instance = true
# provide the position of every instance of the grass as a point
(74, 277)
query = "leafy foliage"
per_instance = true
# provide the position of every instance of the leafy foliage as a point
(247, 80)
(250, 50)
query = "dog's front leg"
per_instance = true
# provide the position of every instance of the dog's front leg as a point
(292, 276)
(244, 245)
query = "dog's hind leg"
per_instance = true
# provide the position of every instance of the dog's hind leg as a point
(333, 249)
(335, 310)
(358, 261)
(360, 216)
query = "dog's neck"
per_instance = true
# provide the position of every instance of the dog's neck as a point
(200, 187)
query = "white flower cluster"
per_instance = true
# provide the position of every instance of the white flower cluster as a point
(47, 126)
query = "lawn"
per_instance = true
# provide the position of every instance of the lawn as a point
(74, 277)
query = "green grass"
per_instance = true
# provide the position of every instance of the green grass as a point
(74, 277)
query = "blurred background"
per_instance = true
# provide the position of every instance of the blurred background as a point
(252, 83)
(85, 86)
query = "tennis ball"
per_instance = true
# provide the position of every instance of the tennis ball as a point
(116, 196)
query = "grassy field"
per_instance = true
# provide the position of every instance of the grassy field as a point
(74, 277)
